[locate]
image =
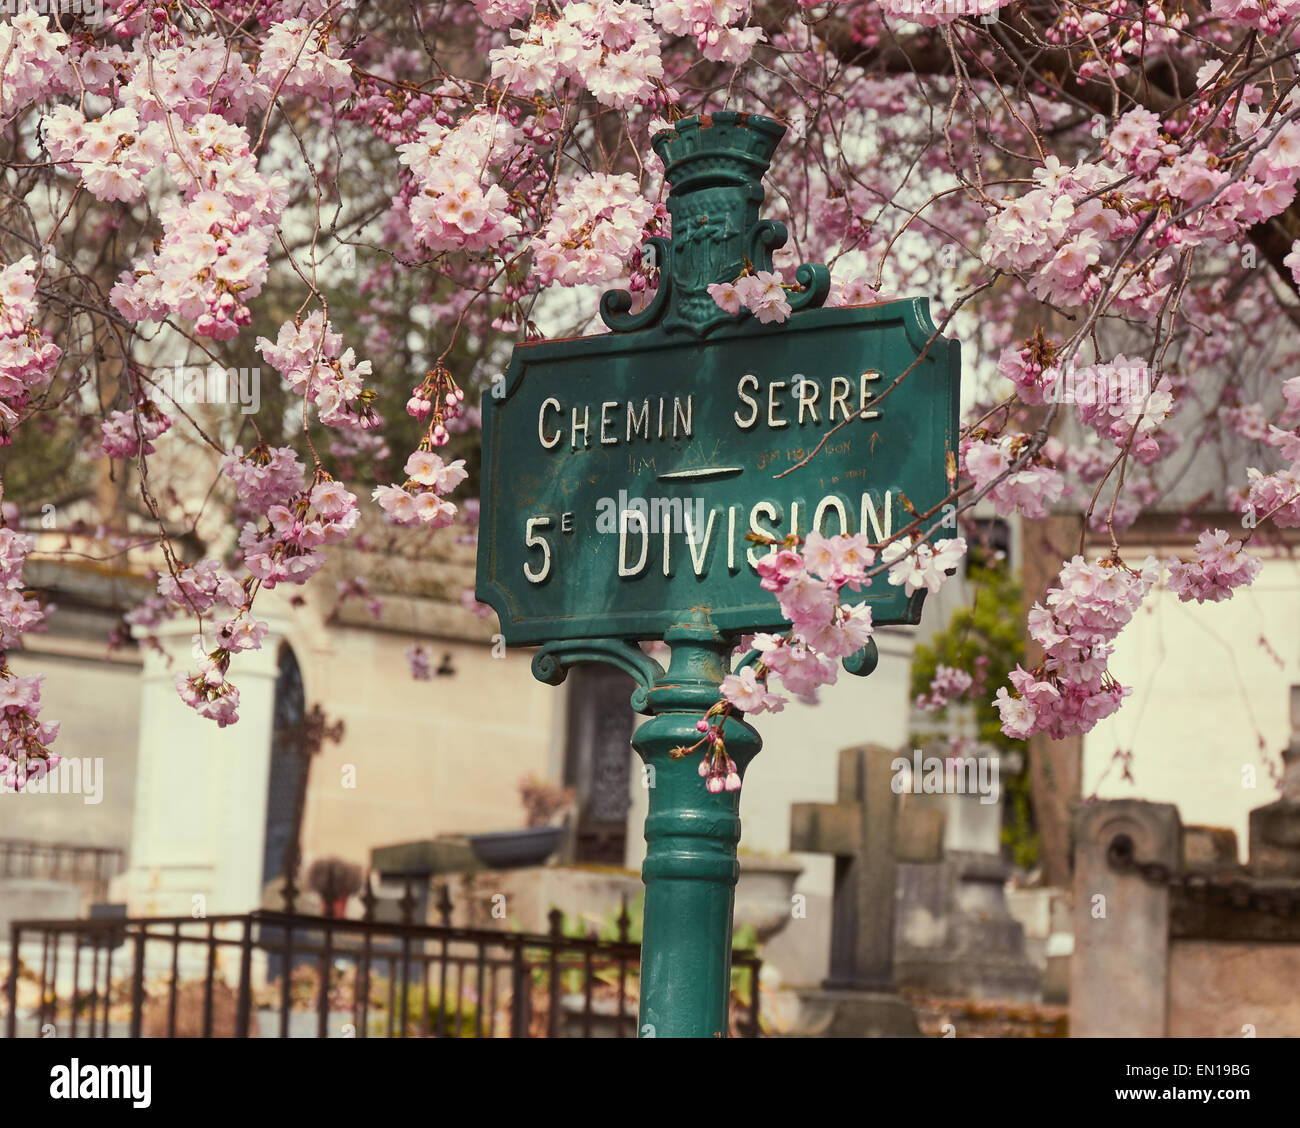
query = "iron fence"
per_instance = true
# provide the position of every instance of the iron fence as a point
(61, 861)
(288, 974)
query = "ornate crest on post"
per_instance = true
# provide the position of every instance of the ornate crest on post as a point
(714, 165)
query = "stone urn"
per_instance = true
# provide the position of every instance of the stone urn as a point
(764, 893)
(515, 849)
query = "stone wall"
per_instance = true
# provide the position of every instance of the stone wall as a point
(95, 697)
(1172, 938)
(1221, 989)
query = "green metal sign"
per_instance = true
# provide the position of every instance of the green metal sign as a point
(624, 473)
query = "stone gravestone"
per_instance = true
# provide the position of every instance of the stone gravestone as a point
(1119, 971)
(956, 933)
(1275, 827)
(864, 833)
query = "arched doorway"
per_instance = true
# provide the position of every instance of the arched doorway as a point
(598, 761)
(288, 770)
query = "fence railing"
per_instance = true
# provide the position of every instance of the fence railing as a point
(61, 861)
(280, 974)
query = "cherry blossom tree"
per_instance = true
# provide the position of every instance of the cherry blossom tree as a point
(1100, 198)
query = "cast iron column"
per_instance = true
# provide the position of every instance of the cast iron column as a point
(690, 868)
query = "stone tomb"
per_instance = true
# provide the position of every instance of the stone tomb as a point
(1172, 938)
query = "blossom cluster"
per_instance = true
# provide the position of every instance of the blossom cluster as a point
(1268, 16)
(421, 499)
(914, 565)
(25, 741)
(1118, 399)
(596, 227)
(263, 477)
(395, 115)
(502, 13)
(1246, 419)
(113, 154)
(285, 549)
(1273, 496)
(718, 769)
(714, 24)
(299, 59)
(1117, 45)
(1222, 192)
(27, 356)
(1118, 222)
(126, 434)
(1031, 366)
(311, 358)
(1221, 565)
(186, 78)
(608, 47)
(212, 255)
(936, 13)
(18, 613)
(1292, 261)
(761, 292)
(1028, 490)
(807, 585)
(456, 205)
(946, 685)
(808, 580)
(1073, 689)
(851, 292)
(1055, 233)
(210, 692)
(182, 79)
(24, 738)
(200, 589)
(291, 523)
(32, 60)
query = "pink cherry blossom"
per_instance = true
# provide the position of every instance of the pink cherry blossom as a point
(1221, 565)
(1073, 688)
(748, 694)
(1030, 490)
(1292, 261)
(263, 477)
(922, 566)
(726, 295)
(946, 685)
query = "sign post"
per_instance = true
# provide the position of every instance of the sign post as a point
(624, 472)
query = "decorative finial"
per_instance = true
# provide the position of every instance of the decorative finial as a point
(714, 165)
